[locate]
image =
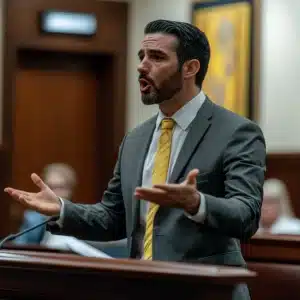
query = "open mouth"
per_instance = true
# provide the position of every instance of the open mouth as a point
(145, 85)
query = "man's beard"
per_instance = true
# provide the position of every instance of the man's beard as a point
(166, 91)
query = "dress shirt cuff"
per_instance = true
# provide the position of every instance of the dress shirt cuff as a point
(59, 222)
(199, 217)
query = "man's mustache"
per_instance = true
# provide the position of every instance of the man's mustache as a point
(141, 76)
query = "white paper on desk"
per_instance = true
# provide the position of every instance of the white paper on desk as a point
(64, 242)
(84, 249)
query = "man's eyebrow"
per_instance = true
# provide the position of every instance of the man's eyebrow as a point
(157, 51)
(152, 51)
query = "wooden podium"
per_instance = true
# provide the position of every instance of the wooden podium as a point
(26, 274)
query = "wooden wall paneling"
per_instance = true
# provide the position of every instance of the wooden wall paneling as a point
(286, 166)
(22, 32)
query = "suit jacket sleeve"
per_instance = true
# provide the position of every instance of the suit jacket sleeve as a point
(238, 213)
(102, 221)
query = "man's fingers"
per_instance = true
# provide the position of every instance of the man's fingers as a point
(16, 196)
(150, 194)
(24, 198)
(38, 181)
(15, 191)
(27, 202)
(149, 191)
(170, 188)
(21, 198)
(9, 191)
(191, 177)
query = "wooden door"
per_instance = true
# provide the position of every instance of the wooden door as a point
(104, 54)
(56, 121)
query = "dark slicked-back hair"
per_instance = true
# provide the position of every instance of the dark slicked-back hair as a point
(192, 43)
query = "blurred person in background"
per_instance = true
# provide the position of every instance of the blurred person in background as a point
(61, 178)
(277, 216)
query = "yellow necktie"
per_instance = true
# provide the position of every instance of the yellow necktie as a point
(159, 175)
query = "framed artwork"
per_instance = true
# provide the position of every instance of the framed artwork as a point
(228, 25)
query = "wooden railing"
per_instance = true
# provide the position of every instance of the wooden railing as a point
(276, 259)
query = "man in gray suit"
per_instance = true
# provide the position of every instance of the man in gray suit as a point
(212, 193)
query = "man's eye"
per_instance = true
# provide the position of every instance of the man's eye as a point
(157, 57)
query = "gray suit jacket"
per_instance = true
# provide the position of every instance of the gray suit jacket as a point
(229, 151)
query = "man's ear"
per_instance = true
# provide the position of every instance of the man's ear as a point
(191, 68)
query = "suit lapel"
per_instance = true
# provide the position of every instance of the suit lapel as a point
(196, 133)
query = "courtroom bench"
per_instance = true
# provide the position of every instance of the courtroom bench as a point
(276, 259)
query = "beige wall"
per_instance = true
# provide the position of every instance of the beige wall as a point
(280, 71)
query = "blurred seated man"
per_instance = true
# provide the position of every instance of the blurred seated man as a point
(277, 216)
(61, 178)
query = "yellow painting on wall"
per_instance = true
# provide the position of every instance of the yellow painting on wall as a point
(228, 29)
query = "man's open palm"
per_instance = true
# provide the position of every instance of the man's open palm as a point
(45, 201)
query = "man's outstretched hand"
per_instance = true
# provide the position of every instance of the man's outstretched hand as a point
(183, 195)
(44, 202)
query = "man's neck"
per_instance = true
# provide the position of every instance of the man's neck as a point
(171, 106)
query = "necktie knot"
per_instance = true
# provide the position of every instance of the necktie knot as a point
(167, 124)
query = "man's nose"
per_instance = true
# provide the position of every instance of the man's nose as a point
(143, 67)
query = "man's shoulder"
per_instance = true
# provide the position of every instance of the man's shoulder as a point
(142, 128)
(231, 119)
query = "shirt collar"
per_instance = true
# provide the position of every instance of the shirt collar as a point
(186, 114)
